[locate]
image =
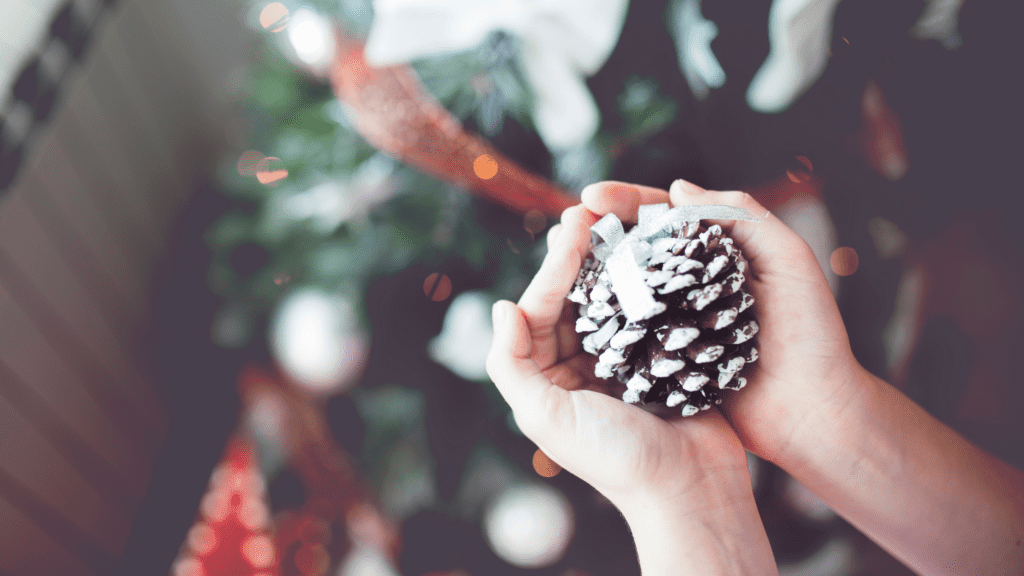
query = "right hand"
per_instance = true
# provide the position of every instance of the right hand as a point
(806, 375)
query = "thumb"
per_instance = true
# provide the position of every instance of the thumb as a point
(768, 245)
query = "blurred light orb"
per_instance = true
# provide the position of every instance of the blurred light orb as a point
(844, 261)
(259, 551)
(485, 167)
(274, 17)
(316, 339)
(312, 37)
(189, 566)
(529, 526)
(544, 465)
(271, 171)
(437, 287)
(465, 338)
(248, 162)
(202, 539)
(535, 221)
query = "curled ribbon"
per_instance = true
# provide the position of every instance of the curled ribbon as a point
(625, 254)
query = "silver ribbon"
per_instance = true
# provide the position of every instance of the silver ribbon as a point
(626, 254)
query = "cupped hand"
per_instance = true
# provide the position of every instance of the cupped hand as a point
(631, 456)
(805, 376)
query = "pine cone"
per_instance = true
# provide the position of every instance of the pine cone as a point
(695, 342)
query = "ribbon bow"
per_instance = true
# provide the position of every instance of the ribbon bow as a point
(624, 254)
(562, 43)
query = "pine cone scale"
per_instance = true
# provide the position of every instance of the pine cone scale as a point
(701, 331)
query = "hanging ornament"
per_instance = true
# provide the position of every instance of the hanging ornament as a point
(529, 526)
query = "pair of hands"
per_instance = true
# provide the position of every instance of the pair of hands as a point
(804, 379)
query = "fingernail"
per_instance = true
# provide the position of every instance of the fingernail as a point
(498, 315)
(686, 188)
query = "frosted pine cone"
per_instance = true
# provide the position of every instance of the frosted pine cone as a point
(697, 338)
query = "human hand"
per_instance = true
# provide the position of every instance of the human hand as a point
(806, 374)
(631, 456)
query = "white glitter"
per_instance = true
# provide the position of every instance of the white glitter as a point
(659, 277)
(631, 396)
(745, 333)
(600, 310)
(600, 293)
(725, 317)
(690, 410)
(666, 367)
(681, 337)
(611, 356)
(709, 354)
(677, 282)
(626, 337)
(596, 340)
(695, 381)
(706, 296)
(714, 267)
(675, 398)
(585, 324)
(688, 265)
(579, 296)
(602, 370)
(746, 302)
(639, 383)
(654, 310)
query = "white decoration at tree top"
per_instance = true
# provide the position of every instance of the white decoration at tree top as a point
(562, 43)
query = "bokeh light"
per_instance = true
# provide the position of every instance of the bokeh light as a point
(529, 526)
(202, 539)
(274, 17)
(312, 560)
(312, 38)
(248, 162)
(844, 261)
(485, 167)
(189, 566)
(258, 550)
(271, 171)
(316, 338)
(437, 287)
(535, 221)
(798, 176)
(544, 465)
(806, 162)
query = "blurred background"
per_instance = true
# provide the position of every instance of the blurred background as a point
(248, 251)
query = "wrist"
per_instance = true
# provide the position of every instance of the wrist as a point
(712, 529)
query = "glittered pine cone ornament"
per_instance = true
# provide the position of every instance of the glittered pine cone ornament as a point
(664, 307)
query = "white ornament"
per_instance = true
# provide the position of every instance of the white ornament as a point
(316, 339)
(465, 339)
(529, 526)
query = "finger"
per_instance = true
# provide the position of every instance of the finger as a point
(553, 235)
(544, 298)
(511, 367)
(620, 198)
(767, 245)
